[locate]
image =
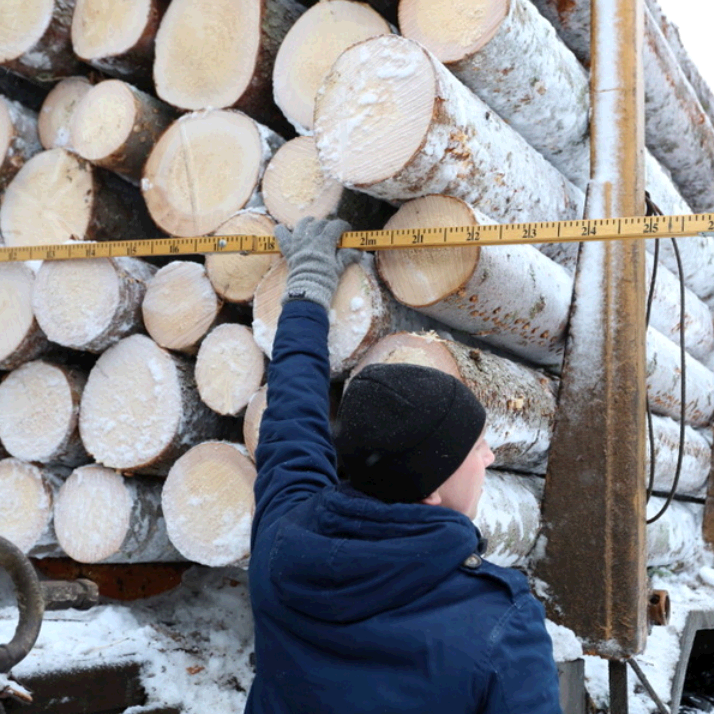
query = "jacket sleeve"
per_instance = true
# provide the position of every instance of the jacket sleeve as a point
(295, 455)
(525, 677)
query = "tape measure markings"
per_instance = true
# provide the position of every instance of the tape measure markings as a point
(497, 234)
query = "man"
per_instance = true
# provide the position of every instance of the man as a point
(372, 595)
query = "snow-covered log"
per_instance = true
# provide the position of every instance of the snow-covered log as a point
(118, 37)
(519, 401)
(221, 53)
(677, 131)
(55, 116)
(229, 368)
(510, 296)
(39, 413)
(19, 139)
(57, 197)
(252, 418)
(205, 168)
(180, 306)
(141, 410)
(90, 304)
(208, 504)
(309, 49)
(99, 516)
(676, 538)
(361, 313)
(235, 276)
(35, 39)
(392, 121)
(26, 503)
(115, 125)
(21, 338)
(295, 186)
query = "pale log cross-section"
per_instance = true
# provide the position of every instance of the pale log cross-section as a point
(180, 306)
(21, 338)
(208, 504)
(90, 304)
(252, 418)
(101, 517)
(141, 410)
(206, 167)
(19, 138)
(235, 276)
(56, 113)
(310, 48)
(39, 413)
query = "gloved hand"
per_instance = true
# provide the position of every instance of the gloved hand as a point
(315, 265)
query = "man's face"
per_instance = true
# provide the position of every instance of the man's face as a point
(462, 490)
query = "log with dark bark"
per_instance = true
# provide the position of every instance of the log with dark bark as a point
(57, 110)
(21, 338)
(205, 168)
(208, 504)
(58, 196)
(310, 48)
(118, 37)
(19, 139)
(35, 39)
(141, 410)
(115, 126)
(399, 135)
(89, 305)
(234, 68)
(180, 306)
(99, 516)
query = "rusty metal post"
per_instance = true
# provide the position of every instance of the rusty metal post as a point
(594, 505)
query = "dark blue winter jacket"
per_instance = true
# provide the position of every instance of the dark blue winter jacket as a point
(362, 606)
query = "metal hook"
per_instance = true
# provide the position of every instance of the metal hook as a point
(30, 604)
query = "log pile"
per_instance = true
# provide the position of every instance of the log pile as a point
(126, 385)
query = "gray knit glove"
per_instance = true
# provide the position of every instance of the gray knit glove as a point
(315, 265)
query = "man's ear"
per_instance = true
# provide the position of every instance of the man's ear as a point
(433, 499)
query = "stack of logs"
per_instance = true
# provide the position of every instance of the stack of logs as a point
(131, 390)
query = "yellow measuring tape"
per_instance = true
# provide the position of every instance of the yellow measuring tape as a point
(501, 234)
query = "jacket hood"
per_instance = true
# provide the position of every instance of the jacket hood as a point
(342, 556)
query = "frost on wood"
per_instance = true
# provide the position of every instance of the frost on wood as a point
(21, 338)
(91, 304)
(19, 139)
(234, 68)
(39, 413)
(180, 306)
(118, 37)
(510, 296)
(208, 504)
(229, 368)
(295, 186)
(235, 276)
(26, 503)
(205, 168)
(57, 110)
(519, 401)
(35, 39)
(674, 539)
(100, 516)
(508, 54)
(141, 410)
(310, 48)
(393, 122)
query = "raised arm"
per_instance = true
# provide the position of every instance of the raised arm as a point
(295, 454)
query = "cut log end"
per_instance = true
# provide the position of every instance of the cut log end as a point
(452, 29)
(24, 24)
(26, 503)
(202, 171)
(58, 109)
(180, 305)
(234, 276)
(251, 421)
(310, 48)
(208, 504)
(374, 110)
(92, 514)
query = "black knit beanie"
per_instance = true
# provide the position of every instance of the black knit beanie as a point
(402, 430)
